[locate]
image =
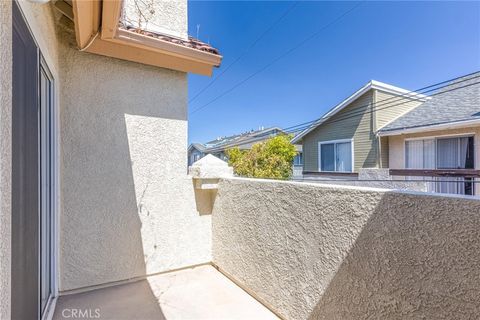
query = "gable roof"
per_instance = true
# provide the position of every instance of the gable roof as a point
(200, 147)
(457, 103)
(373, 84)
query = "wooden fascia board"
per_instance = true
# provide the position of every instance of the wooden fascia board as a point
(110, 17)
(86, 14)
(145, 56)
(127, 45)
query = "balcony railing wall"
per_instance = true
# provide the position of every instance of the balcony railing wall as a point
(338, 252)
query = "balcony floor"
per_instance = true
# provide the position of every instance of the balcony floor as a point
(198, 293)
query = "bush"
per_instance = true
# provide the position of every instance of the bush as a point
(271, 159)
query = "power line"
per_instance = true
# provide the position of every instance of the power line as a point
(391, 106)
(374, 107)
(407, 94)
(246, 51)
(374, 110)
(400, 97)
(303, 127)
(278, 58)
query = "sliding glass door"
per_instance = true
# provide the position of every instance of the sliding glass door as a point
(443, 153)
(33, 176)
(455, 153)
(47, 201)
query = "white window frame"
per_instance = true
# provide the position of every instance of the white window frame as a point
(476, 191)
(335, 164)
(435, 138)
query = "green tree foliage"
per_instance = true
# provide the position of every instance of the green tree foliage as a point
(270, 159)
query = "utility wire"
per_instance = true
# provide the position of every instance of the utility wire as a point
(301, 128)
(400, 97)
(246, 51)
(409, 94)
(301, 43)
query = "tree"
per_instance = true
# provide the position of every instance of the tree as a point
(272, 159)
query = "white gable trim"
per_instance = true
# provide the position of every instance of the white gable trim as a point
(370, 85)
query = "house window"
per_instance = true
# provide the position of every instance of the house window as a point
(443, 153)
(298, 160)
(336, 156)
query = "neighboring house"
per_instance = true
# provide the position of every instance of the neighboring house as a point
(343, 140)
(93, 130)
(441, 136)
(196, 151)
(243, 141)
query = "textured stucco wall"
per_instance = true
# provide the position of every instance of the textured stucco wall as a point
(333, 252)
(164, 16)
(128, 206)
(5, 154)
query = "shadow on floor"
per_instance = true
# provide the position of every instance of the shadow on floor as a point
(128, 301)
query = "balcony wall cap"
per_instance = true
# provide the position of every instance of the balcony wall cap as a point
(210, 167)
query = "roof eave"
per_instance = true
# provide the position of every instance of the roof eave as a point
(97, 31)
(433, 127)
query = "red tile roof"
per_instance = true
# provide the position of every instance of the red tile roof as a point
(190, 43)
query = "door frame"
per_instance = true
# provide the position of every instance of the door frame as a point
(47, 63)
(54, 236)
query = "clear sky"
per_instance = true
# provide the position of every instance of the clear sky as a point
(406, 44)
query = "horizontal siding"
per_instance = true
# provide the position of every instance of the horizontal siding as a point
(394, 107)
(390, 107)
(344, 125)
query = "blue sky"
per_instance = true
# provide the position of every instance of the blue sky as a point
(406, 44)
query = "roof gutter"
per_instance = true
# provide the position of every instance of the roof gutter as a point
(97, 31)
(435, 127)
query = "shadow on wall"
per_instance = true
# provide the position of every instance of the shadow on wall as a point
(123, 152)
(414, 263)
(333, 252)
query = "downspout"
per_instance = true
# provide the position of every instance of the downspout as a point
(374, 131)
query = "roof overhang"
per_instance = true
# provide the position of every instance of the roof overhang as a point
(377, 85)
(433, 127)
(97, 30)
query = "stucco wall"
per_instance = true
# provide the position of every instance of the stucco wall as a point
(128, 207)
(5, 154)
(333, 252)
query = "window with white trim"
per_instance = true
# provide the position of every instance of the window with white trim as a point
(443, 153)
(336, 156)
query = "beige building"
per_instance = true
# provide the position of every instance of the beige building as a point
(93, 140)
(440, 139)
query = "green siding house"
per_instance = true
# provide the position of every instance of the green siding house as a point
(344, 140)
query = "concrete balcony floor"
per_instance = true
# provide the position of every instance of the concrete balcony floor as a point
(197, 293)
